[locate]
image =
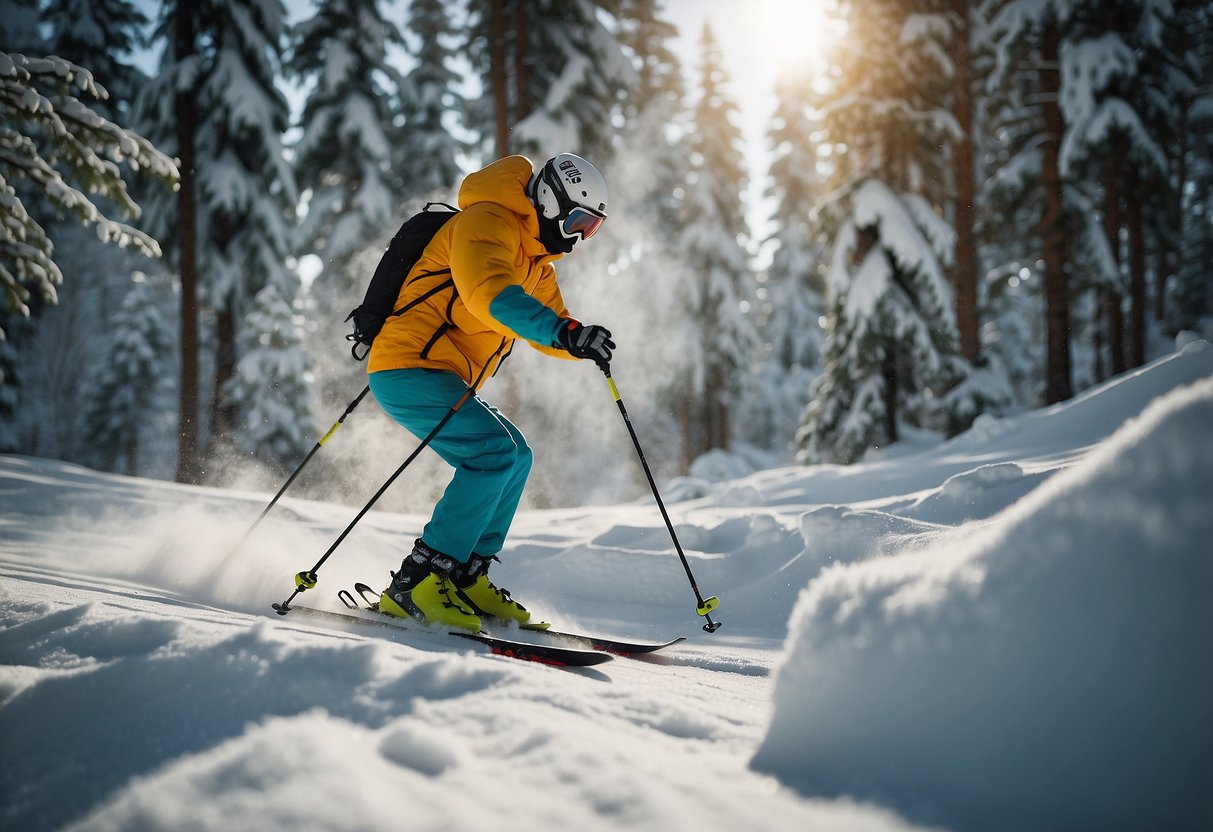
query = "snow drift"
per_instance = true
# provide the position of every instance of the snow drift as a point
(1054, 671)
(1004, 630)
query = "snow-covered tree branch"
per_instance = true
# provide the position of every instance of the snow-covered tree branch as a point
(58, 151)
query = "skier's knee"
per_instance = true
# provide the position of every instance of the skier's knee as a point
(524, 458)
(501, 454)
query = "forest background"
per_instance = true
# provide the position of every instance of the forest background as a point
(971, 208)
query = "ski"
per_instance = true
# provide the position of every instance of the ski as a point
(606, 645)
(551, 654)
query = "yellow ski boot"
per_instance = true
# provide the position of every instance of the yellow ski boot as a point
(482, 596)
(422, 590)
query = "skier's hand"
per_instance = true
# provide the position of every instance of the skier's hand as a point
(587, 342)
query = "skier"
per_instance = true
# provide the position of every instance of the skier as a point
(485, 280)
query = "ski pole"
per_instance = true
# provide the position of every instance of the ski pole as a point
(306, 580)
(704, 607)
(348, 410)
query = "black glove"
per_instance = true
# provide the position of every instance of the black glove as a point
(587, 342)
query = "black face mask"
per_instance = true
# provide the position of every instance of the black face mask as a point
(550, 236)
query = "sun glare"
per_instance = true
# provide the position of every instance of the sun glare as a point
(794, 33)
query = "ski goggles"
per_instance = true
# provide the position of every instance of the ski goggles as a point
(581, 223)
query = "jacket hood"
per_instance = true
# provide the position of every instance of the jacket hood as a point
(503, 183)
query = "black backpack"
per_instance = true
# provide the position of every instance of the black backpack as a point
(402, 254)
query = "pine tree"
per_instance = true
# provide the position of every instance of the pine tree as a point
(891, 338)
(9, 385)
(102, 35)
(38, 103)
(720, 291)
(271, 385)
(1090, 99)
(245, 182)
(891, 343)
(217, 90)
(644, 267)
(1112, 138)
(425, 149)
(555, 73)
(134, 380)
(489, 38)
(1031, 125)
(1171, 41)
(650, 168)
(1013, 303)
(170, 107)
(577, 76)
(964, 26)
(791, 295)
(60, 348)
(19, 28)
(346, 156)
(66, 343)
(1191, 296)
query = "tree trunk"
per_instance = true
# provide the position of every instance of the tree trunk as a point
(522, 60)
(1137, 278)
(223, 413)
(711, 412)
(889, 371)
(1110, 295)
(497, 38)
(964, 274)
(723, 426)
(1058, 380)
(1176, 215)
(1098, 369)
(1162, 250)
(187, 240)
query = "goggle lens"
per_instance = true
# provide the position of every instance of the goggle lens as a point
(581, 222)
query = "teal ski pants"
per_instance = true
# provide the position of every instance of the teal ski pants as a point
(489, 454)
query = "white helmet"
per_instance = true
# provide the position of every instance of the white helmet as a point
(571, 192)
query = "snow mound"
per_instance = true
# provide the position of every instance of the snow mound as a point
(838, 534)
(978, 493)
(963, 487)
(719, 466)
(1053, 671)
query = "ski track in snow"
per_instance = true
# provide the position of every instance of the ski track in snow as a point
(146, 684)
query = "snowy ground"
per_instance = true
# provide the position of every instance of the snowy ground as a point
(1010, 630)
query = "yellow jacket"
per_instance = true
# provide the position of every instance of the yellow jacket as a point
(463, 306)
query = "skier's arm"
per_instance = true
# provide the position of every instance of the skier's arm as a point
(573, 340)
(483, 249)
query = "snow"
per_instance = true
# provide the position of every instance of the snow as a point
(1053, 670)
(1007, 630)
